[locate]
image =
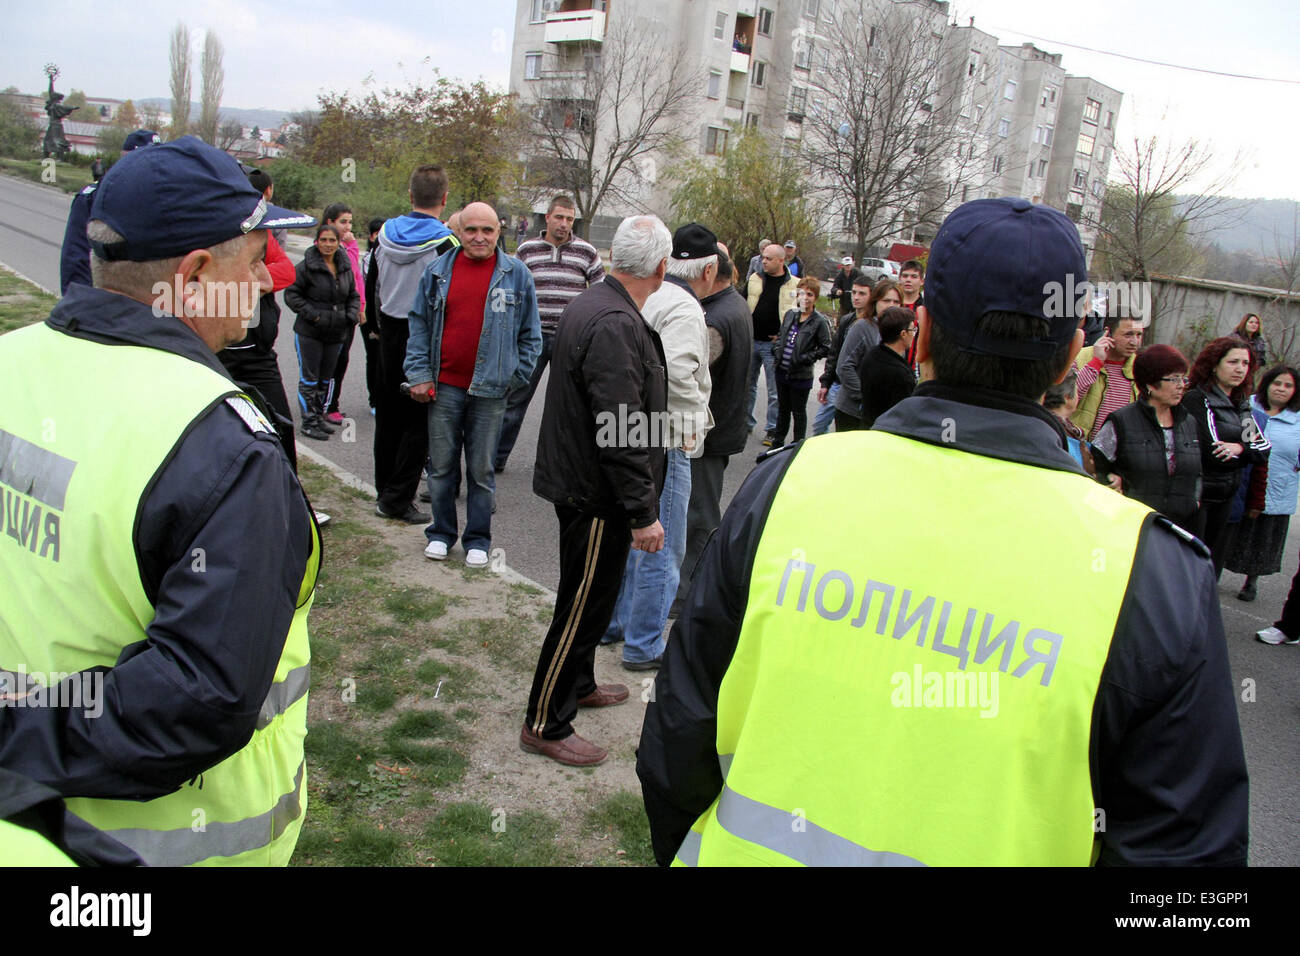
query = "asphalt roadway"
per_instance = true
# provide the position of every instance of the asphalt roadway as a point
(33, 218)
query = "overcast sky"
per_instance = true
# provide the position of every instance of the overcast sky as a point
(281, 54)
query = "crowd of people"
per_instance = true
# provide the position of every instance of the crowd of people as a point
(667, 341)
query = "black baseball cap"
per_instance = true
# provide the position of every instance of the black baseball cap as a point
(693, 241)
(141, 137)
(180, 196)
(1005, 255)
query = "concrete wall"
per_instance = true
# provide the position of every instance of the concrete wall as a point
(1190, 312)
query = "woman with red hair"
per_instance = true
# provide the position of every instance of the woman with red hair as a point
(1229, 438)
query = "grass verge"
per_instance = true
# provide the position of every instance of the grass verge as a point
(21, 303)
(67, 177)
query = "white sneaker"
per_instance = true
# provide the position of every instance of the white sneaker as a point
(322, 519)
(437, 550)
(1271, 635)
(476, 558)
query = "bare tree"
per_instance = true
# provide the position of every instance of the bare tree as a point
(180, 80)
(890, 119)
(229, 133)
(603, 117)
(1280, 326)
(212, 77)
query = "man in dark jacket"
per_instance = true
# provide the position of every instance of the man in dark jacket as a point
(606, 394)
(887, 379)
(731, 339)
(754, 749)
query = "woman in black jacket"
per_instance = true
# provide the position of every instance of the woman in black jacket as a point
(805, 337)
(1229, 438)
(1150, 450)
(325, 298)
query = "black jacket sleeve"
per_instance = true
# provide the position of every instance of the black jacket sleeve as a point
(222, 541)
(1169, 772)
(297, 295)
(678, 760)
(613, 373)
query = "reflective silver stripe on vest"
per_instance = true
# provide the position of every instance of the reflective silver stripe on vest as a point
(689, 853)
(32, 470)
(186, 847)
(787, 834)
(282, 695)
(724, 763)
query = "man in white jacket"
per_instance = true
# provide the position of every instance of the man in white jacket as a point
(650, 580)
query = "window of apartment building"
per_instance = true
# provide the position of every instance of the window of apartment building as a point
(1091, 111)
(538, 12)
(1086, 144)
(715, 85)
(757, 73)
(803, 55)
(1049, 95)
(1080, 179)
(751, 120)
(798, 101)
(997, 165)
(764, 22)
(1110, 119)
(1009, 92)
(1048, 132)
(789, 147)
(810, 8)
(720, 27)
(1098, 187)
(973, 66)
(1038, 134)
(965, 192)
(532, 66)
(1042, 169)
(715, 141)
(871, 37)
(1004, 127)
(1101, 155)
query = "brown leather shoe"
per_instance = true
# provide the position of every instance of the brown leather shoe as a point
(572, 750)
(604, 695)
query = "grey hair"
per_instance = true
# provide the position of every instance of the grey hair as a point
(640, 244)
(691, 269)
(137, 279)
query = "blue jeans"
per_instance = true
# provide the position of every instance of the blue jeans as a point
(459, 420)
(517, 403)
(826, 413)
(650, 580)
(764, 355)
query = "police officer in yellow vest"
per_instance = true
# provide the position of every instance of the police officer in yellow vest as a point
(158, 554)
(989, 660)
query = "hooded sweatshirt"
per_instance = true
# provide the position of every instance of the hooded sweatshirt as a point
(407, 244)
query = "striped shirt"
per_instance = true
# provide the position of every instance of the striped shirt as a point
(560, 273)
(1119, 390)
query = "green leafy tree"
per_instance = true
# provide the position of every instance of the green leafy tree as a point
(19, 133)
(127, 118)
(751, 194)
(77, 100)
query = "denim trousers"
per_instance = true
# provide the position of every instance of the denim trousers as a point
(764, 355)
(826, 413)
(517, 404)
(459, 420)
(650, 580)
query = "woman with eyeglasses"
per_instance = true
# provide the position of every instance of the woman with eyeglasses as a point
(1230, 439)
(1150, 450)
(324, 296)
(1270, 490)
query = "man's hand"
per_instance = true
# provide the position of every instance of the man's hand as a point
(821, 395)
(1253, 513)
(1116, 482)
(1101, 348)
(648, 539)
(422, 392)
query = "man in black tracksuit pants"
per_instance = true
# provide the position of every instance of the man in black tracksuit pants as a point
(607, 368)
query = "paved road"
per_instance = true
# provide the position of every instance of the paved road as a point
(32, 220)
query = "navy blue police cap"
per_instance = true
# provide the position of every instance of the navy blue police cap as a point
(176, 197)
(1005, 255)
(138, 139)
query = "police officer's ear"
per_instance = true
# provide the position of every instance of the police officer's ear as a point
(1074, 352)
(189, 272)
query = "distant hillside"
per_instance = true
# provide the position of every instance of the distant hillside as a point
(266, 119)
(1250, 225)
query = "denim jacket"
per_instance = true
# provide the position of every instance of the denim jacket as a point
(511, 341)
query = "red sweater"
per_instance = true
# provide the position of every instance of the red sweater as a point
(463, 323)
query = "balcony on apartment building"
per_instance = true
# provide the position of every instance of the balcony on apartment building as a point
(733, 110)
(577, 21)
(742, 44)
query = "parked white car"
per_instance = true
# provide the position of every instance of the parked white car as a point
(877, 269)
